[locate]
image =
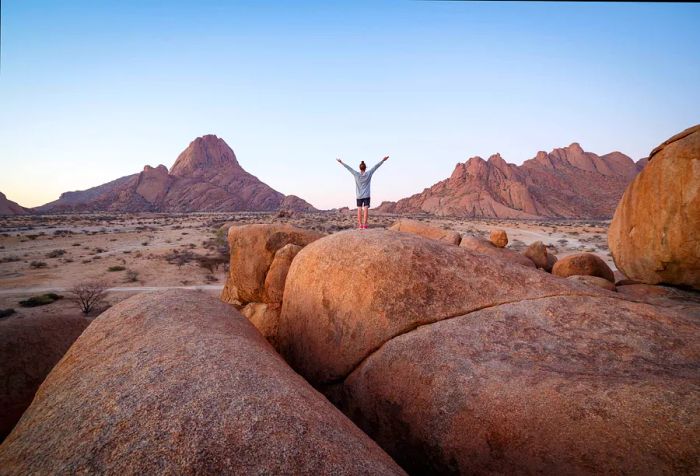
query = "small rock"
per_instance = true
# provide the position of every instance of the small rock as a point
(499, 238)
(537, 252)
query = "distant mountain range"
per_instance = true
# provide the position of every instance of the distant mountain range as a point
(205, 177)
(565, 183)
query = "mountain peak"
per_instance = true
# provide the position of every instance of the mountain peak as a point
(204, 154)
(575, 147)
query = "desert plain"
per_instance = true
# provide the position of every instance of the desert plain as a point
(132, 253)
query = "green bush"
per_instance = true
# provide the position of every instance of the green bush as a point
(116, 268)
(40, 300)
(37, 264)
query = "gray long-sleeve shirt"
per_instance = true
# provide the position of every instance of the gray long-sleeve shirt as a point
(362, 180)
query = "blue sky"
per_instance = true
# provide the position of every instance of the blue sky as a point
(94, 90)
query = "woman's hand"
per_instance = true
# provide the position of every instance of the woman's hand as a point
(385, 158)
(339, 161)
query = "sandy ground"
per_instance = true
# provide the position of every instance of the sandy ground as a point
(146, 252)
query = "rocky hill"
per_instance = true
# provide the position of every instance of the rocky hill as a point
(8, 207)
(566, 183)
(205, 177)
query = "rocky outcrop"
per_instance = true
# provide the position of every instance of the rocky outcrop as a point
(480, 245)
(153, 184)
(653, 235)
(29, 348)
(176, 382)
(427, 231)
(260, 259)
(584, 264)
(559, 385)
(273, 288)
(296, 204)
(205, 177)
(457, 363)
(376, 284)
(254, 249)
(566, 182)
(8, 207)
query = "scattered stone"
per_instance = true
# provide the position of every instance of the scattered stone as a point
(485, 247)
(499, 238)
(537, 252)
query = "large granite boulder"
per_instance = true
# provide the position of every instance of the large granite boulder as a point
(486, 247)
(427, 231)
(653, 236)
(459, 363)
(176, 382)
(559, 385)
(29, 348)
(349, 292)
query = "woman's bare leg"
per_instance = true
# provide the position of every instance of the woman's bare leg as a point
(366, 215)
(359, 217)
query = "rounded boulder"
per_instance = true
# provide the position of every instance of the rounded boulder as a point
(653, 234)
(499, 238)
(537, 252)
(177, 382)
(558, 385)
(583, 264)
(348, 293)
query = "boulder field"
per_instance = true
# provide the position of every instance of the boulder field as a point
(653, 236)
(176, 382)
(455, 362)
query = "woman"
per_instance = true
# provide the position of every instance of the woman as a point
(363, 179)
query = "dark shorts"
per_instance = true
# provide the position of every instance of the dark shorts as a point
(363, 202)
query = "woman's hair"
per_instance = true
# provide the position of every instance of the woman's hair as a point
(363, 167)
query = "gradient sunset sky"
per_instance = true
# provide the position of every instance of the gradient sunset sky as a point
(94, 90)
